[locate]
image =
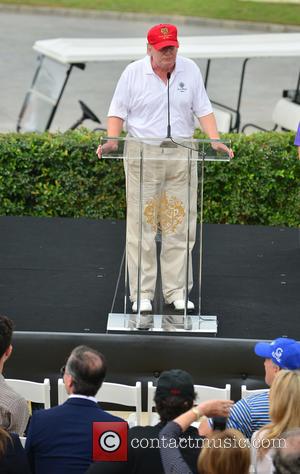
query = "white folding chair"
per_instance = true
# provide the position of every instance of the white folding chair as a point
(153, 417)
(119, 394)
(32, 391)
(203, 392)
(62, 394)
(247, 392)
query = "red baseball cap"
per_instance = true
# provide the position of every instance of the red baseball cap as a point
(163, 35)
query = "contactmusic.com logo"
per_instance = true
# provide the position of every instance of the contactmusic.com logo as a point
(110, 441)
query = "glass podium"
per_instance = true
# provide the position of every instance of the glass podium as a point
(162, 260)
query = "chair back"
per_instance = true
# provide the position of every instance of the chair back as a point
(62, 394)
(32, 391)
(247, 392)
(153, 417)
(203, 392)
(119, 394)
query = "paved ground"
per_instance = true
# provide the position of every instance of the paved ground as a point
(265, 78)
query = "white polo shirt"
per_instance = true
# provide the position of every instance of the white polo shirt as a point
(140, 99)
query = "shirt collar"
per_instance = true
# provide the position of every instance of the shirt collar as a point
(75, 395)
(147, 65)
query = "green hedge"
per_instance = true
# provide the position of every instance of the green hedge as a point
(60, 175)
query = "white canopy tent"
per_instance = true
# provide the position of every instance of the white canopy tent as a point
(58, 56)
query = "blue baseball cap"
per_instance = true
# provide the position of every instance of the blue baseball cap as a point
(283, 351)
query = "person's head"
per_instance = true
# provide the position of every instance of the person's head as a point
(174, 394)
(85, 371)
(287, 457)
(284, 409)
(225, 452)
(284, 400)
(282, 353)
(162, 46)
(6, 331)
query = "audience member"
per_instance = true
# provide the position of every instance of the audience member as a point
(287, 456)
(251, 413)
(174, 395)
(14, 412)
(172, 459)
(225, 452)
(285, 415)
(13, 459)
(59, 439)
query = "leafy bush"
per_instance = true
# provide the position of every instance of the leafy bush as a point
(259, 186)
(60, 175)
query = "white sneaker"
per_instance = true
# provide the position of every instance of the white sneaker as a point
(179, 305)
(145, 306)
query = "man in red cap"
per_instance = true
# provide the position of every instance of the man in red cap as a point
(160, 93)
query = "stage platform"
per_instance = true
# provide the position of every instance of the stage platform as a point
(58, 278)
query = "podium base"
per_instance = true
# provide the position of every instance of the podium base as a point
(157, 323)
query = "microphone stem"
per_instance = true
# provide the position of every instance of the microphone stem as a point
(169, 120)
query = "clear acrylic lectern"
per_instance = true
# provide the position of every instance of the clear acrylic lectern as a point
(162, 259)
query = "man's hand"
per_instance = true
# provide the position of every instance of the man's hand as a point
(219, 146)
(215, 407)
(108, 147)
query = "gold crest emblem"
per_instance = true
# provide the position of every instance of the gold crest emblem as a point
(164, 31)
(164, 213)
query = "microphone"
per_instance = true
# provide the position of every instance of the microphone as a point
(173, 144)
(169, 121)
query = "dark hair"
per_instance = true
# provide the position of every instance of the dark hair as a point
(87, 368)
(6, 330)
(171, 407)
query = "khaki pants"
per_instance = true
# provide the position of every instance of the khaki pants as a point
(164, 176)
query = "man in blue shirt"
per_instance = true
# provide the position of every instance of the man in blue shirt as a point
(251, 413)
